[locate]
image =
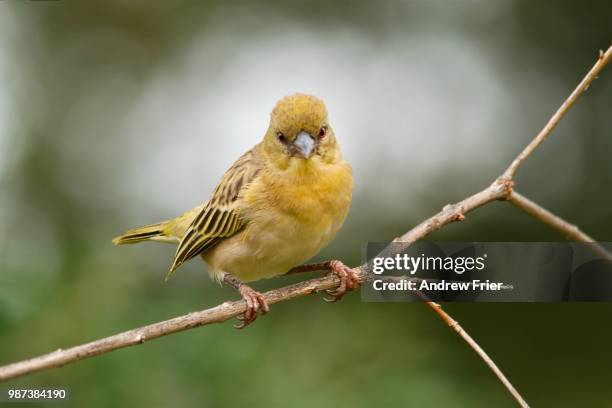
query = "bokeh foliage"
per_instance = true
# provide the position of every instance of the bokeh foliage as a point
(115, 114)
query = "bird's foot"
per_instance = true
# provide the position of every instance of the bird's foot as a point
(348, 280)
(255, 302)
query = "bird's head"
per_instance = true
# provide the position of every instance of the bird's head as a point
(299, 132)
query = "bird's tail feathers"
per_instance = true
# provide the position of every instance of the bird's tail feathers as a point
(153, 232)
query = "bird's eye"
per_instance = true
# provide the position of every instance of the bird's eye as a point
(322, 132)
(281, 137)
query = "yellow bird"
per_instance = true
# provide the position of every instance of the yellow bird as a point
(275, 208)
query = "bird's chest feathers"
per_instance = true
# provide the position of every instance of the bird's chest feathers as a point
(312, 196)
(304, 203)
(290, 217)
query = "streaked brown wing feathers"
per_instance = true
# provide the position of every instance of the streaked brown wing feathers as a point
(220, 217)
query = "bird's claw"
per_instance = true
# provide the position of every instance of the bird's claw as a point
(255, 302)
(348, 281)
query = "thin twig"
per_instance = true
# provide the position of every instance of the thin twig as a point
(570, 231)
(602, 61)
(453, 324)
(474, 345)
(501, 189)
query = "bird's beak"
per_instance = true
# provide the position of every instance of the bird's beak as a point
(305, 144)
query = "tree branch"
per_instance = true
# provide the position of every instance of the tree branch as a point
(218, 314)
(500, 189)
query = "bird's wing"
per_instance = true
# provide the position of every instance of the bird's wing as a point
(220, 217)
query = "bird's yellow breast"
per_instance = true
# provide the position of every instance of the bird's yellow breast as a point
(291, 215)
(309, 190)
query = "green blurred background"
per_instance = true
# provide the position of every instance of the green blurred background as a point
(120, 113)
